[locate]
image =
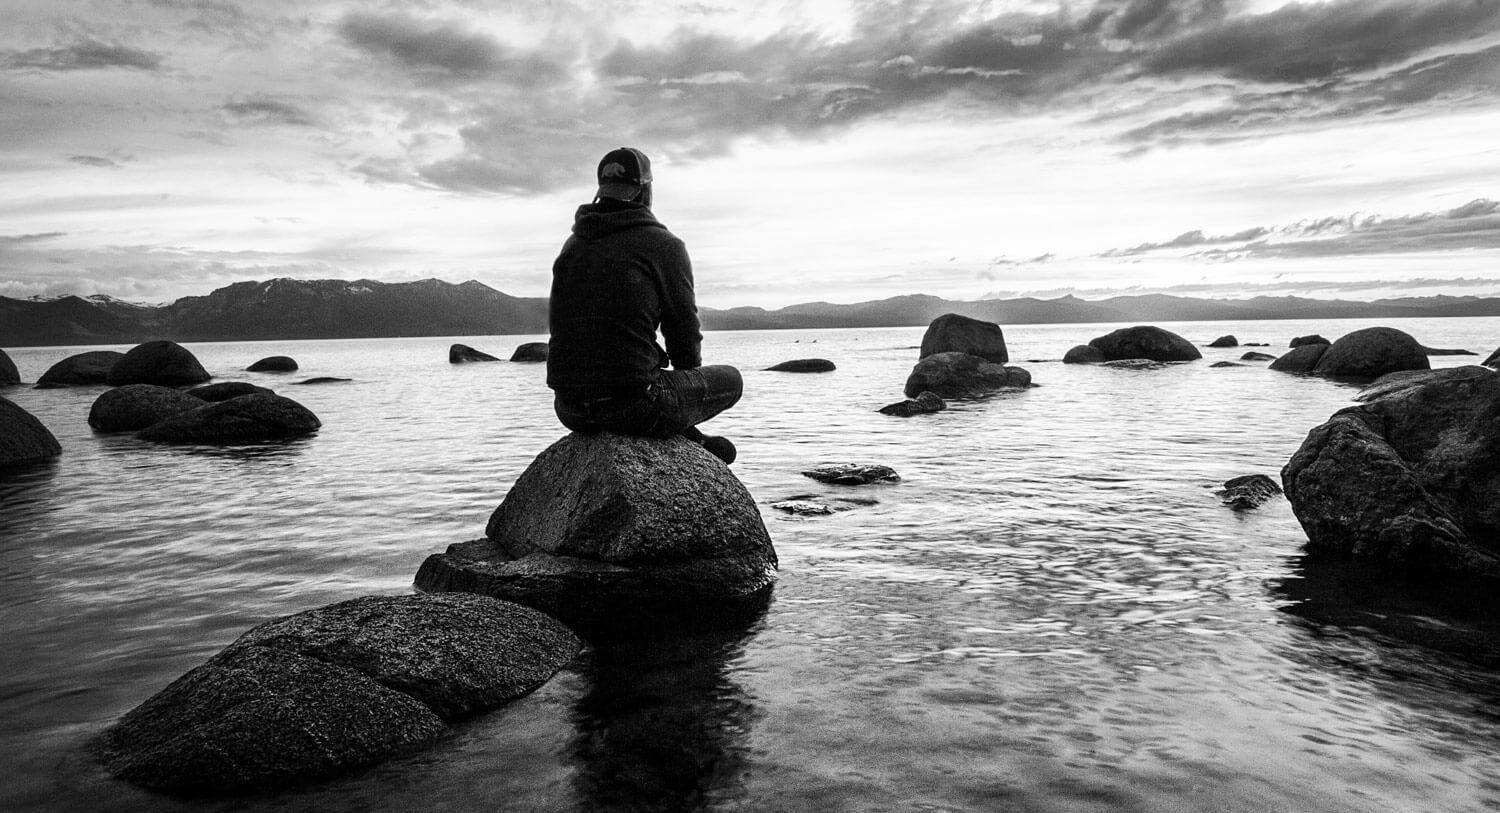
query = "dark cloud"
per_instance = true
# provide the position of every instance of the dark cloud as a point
(1475, 225)
(83, 55)
(446, 51)
(695, 94)
(1303, 42)
(93, 161)
(263, 111)
(17, 239)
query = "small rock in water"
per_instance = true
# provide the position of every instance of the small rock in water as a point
(803, 507)
(853, 474)
(1249, 491)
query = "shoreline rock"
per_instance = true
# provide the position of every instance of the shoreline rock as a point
(24, 439)
(312, 695)
(9, 375)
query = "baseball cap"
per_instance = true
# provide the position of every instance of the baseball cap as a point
(622, 173)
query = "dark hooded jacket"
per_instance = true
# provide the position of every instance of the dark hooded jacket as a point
(620, 277)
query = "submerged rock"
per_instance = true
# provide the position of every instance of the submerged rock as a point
(1226, 364)
(1145, 342)
(853, 474)
(1257, 356)
(137, 406)
(225, 390)
(803, 366)
(1371, 353)
(803, 507)
(324, 379)
(1300, 359)
(246, 419)
(463, 354)
(606, 526)
(954, 333)
(23, 438)
(80, 370)
(1135, 364)
(1083, 354)
(274, 364)
(1452, 351)
(9, 375)
(1411, 478)
(926, 403)
(960, 375)
(168, 364)
(1249, 491)
(530, 352)
(321, 692)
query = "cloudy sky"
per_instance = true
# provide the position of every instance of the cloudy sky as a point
(838, 151)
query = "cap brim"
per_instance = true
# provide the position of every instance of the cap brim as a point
(619, 191)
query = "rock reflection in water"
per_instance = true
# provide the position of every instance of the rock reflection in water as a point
(663, 725)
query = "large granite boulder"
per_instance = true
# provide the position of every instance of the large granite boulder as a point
(321, 692)
(161, 362)
(1083, 354)
(464, 354)
(1372, 352)
(1145, 342)
(274, 364)
(246, 419)
(803, 366)
(23, 438)
(80, 370)
(9, 375)
(960, 375)
(1494, 359)
(530, 352)
(1410, 478)
(953, 333)
(606, 525)
(1300, 359)
(137, 406)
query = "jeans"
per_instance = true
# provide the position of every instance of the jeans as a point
(672, 404)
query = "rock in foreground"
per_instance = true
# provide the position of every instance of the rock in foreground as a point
(1145, 342)
(1411, 478)
(246, 419)
(318, 693)
(960, 375)
(168, 364)
(610, 525)
(23, 438)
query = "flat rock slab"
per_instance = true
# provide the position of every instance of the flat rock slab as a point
(322, 692)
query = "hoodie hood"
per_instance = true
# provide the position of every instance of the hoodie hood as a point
(595, 220)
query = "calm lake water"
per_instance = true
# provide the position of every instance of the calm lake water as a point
(1051, 612)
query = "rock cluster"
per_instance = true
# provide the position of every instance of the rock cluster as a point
(1362, 355)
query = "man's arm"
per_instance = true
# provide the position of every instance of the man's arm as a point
(679, 309)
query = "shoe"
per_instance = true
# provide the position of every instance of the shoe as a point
(720, 447)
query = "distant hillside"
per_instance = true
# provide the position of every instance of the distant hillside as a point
(339, 309)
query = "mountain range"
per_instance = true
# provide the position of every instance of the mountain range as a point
(340, 309)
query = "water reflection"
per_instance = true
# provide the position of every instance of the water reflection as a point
(25, 491)
(663, 725)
